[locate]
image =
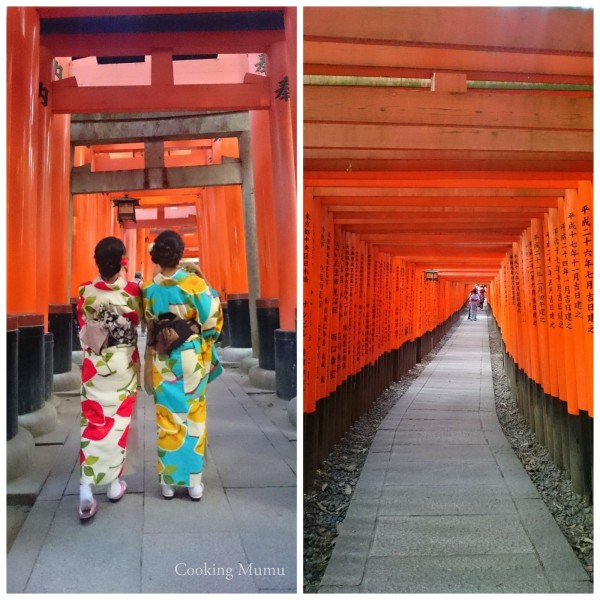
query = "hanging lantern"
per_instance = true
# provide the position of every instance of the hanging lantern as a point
(126, 208)
(431, 275)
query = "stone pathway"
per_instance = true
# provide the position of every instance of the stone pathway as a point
(443, 505)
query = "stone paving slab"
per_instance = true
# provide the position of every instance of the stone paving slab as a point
(442, 415)
(424, 437)
(443, 472)
(266, 519)
(436, 452)
(249, 460)
(26, 548)
(449, 535)
(74, 557)
(198, 563)
(438, 425)
(492, 573)
(445, 500)
(555, 554)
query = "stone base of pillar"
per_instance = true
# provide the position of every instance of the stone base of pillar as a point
(40, 421)
(67, 382)
(263, 379)
(234, 355)
(77, 357)
(248, 363)
(56, 399)
(292, 411)
(19, 454)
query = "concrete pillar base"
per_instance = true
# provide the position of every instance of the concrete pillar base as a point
(67, 382)
(248, 363)
(40, 421)
(77, 357)
(263, 379)
(235, 355)
(19, 454)
(292, 411)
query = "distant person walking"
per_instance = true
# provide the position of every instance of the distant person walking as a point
(109, 310)
(481, 296)
(473, 304)
(184, 319)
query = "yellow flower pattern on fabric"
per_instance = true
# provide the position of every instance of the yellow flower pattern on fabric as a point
(193, 285)
(198, 411)
(171, 432)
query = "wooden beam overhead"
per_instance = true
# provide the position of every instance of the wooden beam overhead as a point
(160, 223)
(331, 135)
(83, 181)
(438, 202)
(98, 129)
(452, 179)
(68, 99)
(435, 164)
(550, 30)
(432, 192)
(389, 105)
(389, 60)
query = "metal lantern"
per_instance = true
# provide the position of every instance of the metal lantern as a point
(431, 275)
(126, 208)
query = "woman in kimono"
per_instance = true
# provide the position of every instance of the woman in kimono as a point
(473, 304)
(109, 310)
(181, 370)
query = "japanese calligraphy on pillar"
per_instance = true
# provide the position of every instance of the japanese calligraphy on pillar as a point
(308, 314)
(334, 343)
(568, 231)
(531, 281)
(537, 247)
(550, 288)
(585, 221)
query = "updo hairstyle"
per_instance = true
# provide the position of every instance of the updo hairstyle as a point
(168, 249)
(108, 254)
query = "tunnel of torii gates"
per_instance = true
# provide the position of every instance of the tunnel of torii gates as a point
(480, 187)
(189, 110)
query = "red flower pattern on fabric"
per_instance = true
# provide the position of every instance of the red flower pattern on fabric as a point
(79, 311)
(101, 285)
(98, 432)
(126, 407)
(135, 357)
(81, 457)
(133, 289)
(88, 370)
(123, 439)
(133, 317)
(93, 412)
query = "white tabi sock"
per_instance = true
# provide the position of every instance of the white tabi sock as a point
(85, 495)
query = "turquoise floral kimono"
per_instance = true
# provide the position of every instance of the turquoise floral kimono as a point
(179, 380)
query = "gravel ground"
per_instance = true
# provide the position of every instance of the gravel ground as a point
(326, 506)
